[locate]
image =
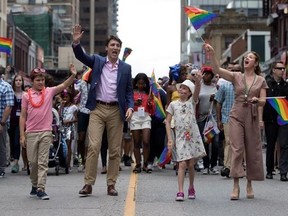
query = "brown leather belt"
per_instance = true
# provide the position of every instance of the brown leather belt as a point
(114, 103)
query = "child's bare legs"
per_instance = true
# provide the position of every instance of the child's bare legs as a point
(190, 164)
(181, 175)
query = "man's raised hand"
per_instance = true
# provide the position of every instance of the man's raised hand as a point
(77, 33)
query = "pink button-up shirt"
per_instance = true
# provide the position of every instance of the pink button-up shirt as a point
(107, 88)
(39, 118)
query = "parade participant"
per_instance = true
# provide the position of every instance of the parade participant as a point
(13, 131)
(109, 95)
(36, 127)
(250, 93)
(206, 107)
(6, 104)
(225, 100)
(188, 143)
(275, 132)
(140, 123)
(68, 116)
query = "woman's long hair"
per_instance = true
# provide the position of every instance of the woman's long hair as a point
(14, 80)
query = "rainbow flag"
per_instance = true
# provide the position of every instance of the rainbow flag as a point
(208, 135)
(280, 104)
(281, 121)
(5, 45)
(210, 129)
(198, 17)
(164, 158)
(154, 88)
(127, 52)
(86, 74)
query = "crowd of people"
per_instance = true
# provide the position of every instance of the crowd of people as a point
(110, 113)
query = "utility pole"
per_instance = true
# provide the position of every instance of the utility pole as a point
(92, 26)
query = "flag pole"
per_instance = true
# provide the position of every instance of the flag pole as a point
(200, 36)
(275, 97)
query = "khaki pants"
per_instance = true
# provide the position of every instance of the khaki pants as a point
(38, 145)
(109, 117)
(227, 147)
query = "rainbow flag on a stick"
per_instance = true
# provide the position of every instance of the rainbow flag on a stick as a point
(127, 52)
(210, 129)
(198, 17)
(164, 158)
(154, 88)
(280, 104)
(5, 45)
(86, 74)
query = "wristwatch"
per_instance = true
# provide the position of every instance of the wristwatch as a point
(2, 123)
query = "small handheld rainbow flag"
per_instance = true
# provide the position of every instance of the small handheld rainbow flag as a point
(5, 45)
(127, 52)
(198, 17)
(210, 129)
(164, 158)
(280, 104)
(154, 88)
(86, 74)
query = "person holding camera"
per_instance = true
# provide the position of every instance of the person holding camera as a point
(140, 123)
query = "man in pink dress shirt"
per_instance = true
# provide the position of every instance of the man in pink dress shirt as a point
(110, 100)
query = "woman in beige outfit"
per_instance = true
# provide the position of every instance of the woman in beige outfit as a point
(250, 93)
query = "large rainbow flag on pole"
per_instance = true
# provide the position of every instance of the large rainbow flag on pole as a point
(127, 52)
(198, 17)
(280, 104)
(154, 88)
(5, 45)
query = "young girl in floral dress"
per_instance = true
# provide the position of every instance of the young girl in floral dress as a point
(188, 144)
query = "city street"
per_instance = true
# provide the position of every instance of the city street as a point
(154, 194)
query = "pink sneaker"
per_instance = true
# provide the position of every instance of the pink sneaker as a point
(180, 196)
(191, 193)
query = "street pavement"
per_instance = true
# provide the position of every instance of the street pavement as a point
(150, 194)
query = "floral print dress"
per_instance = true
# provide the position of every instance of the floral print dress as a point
(188, 141)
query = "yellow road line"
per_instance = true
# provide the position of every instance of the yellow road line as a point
(131, 195)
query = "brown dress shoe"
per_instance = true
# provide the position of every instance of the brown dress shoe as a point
(111, 191)
(85, 191)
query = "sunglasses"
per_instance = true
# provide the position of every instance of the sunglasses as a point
(280, 68)
(39, 70)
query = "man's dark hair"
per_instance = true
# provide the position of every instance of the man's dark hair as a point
(112, 37)
(275, 63)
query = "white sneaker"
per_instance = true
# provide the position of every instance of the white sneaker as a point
(150, 167)
(205, 171)
(81, 168)
(200, 164)
(214, 171)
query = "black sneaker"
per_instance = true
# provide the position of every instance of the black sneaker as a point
(127, 161)
(42, 195)
(33, 192)
(2, 174)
